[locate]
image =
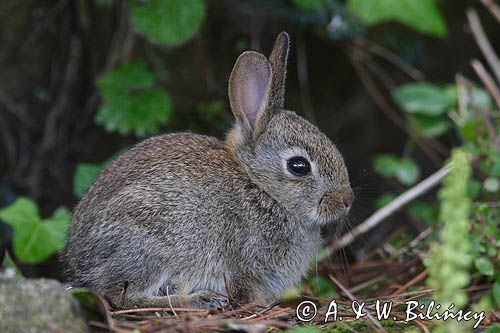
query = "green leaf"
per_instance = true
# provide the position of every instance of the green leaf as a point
(421, 15)
(322, 287)
(35, 240)
(423, 98)
(473, 189)
(491, 184)
(23, 209)
(386, 165)
(408, 172)
(83, 178)
(429, 127)
(424, 212)
(493, 329)
(169, 22)
(480, 98)
(484, 266)
(384, 200)
(131, 104)
(308, 5)
(405, 170)
(495, 290)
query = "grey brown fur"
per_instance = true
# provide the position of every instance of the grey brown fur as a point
(182, 218)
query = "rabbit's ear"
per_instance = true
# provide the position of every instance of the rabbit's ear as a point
(278, 60)
(249, 86)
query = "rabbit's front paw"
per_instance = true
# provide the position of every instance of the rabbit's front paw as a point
(209, 300)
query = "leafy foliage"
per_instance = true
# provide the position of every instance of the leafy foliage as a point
(421, 15)
(449, 261)
(131, 104)
(84, 176)
(35, 239)
(404, 169)
(428, 105)
(424, 98)
(169, 22)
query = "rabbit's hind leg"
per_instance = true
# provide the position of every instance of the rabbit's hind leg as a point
(196, 300)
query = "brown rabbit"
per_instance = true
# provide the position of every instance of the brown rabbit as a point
(181, 219)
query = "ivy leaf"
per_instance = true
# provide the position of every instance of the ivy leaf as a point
(423, 98)
(84, 176)
(484, 266)
(169, 22)
(429, 127)
(421, 15)
(35, 240)
(131, 104)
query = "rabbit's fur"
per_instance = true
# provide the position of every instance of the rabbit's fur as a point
(181, 219)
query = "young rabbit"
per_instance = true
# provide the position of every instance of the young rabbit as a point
(183, 219)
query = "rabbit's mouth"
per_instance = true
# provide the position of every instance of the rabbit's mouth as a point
(333, 206)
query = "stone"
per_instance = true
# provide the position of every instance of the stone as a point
(38, 305)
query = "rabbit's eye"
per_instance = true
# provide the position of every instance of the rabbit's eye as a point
(298, 166)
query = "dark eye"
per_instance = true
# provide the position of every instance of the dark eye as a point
(298, 166)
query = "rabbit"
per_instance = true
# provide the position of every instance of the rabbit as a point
(186, 220)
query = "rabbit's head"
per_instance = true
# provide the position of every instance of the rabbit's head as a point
(284, 154)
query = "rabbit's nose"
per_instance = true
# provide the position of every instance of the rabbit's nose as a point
(347, 197)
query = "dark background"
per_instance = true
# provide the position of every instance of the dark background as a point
(51, 53)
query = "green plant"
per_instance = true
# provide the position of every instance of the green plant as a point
(422, 15)
(405, 170)
(85, 174)
(427, 106)
(131, 103)
(169, 22)
(35, 239)
(449, 260)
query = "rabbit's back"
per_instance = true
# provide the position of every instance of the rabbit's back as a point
(173, 190)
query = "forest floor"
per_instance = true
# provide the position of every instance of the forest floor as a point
(392, 274)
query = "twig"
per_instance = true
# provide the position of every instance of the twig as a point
(108, 314)
(384, 106)
(415, 242)
(157, 310)
(367, 283)
(486, 79)
(351, 296)
(303, 76)
(170, 303)
(493, 8)
(12, 107)
(483, 42)
(260, 313)
(420, 324)
(462, 102)
(388, 210)
(490, 127)
(422, 275)
(51, 15)
(269, 315)
(396, 61)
